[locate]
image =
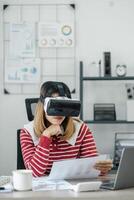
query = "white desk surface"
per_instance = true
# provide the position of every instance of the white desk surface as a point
(125, 194)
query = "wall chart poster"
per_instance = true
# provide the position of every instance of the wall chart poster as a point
(22, 40)
(56, 34)
(22, 70)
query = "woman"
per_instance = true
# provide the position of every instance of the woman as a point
(52, 138)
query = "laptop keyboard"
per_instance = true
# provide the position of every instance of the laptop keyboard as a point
(108, 183)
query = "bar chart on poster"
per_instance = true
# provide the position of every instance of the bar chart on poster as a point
(38, 45)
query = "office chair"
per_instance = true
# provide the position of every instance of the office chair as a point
(30, 107)
(20, 163)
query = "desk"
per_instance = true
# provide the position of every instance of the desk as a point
(127, 194)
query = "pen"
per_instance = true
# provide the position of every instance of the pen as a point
(2, 188)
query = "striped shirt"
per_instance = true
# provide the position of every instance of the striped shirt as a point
(40, 157)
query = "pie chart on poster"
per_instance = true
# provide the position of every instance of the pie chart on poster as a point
(66, 30)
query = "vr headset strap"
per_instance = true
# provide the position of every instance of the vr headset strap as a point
(61, 89)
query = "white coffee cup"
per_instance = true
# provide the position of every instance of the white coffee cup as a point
(22, 179)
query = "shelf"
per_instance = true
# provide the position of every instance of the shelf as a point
(104, 78)
(107, 78)
(109, 122)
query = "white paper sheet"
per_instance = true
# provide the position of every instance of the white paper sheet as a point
(42, 183)
(22, 70)
(56, 34)
(6, 184)
(22, 40)
(75, 168)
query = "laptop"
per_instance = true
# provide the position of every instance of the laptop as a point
(125, 174)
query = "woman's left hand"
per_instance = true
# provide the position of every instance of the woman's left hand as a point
(104, 166)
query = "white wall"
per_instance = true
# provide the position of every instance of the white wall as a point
(105, 25)
(101, 25)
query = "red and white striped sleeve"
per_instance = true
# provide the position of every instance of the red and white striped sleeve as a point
(35, 157)
(88, 146)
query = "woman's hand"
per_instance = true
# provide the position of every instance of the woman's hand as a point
(52, 130)
(104, 166)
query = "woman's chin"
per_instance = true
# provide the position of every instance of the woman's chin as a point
(56, 122)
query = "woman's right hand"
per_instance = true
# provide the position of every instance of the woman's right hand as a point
(52, 130)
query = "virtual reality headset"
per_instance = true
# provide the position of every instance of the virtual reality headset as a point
(62, 106)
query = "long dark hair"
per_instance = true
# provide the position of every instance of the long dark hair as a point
(47, 90)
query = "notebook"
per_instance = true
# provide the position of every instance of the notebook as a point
(4, 180)
(125, 174)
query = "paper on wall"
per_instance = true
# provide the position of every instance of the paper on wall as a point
(22, 40)
(56, 34)
(22, 70)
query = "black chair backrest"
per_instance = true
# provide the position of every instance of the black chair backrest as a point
(20, 163)
(30, 107)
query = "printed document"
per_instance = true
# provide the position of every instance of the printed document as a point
(75, 168)
(42, 183)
